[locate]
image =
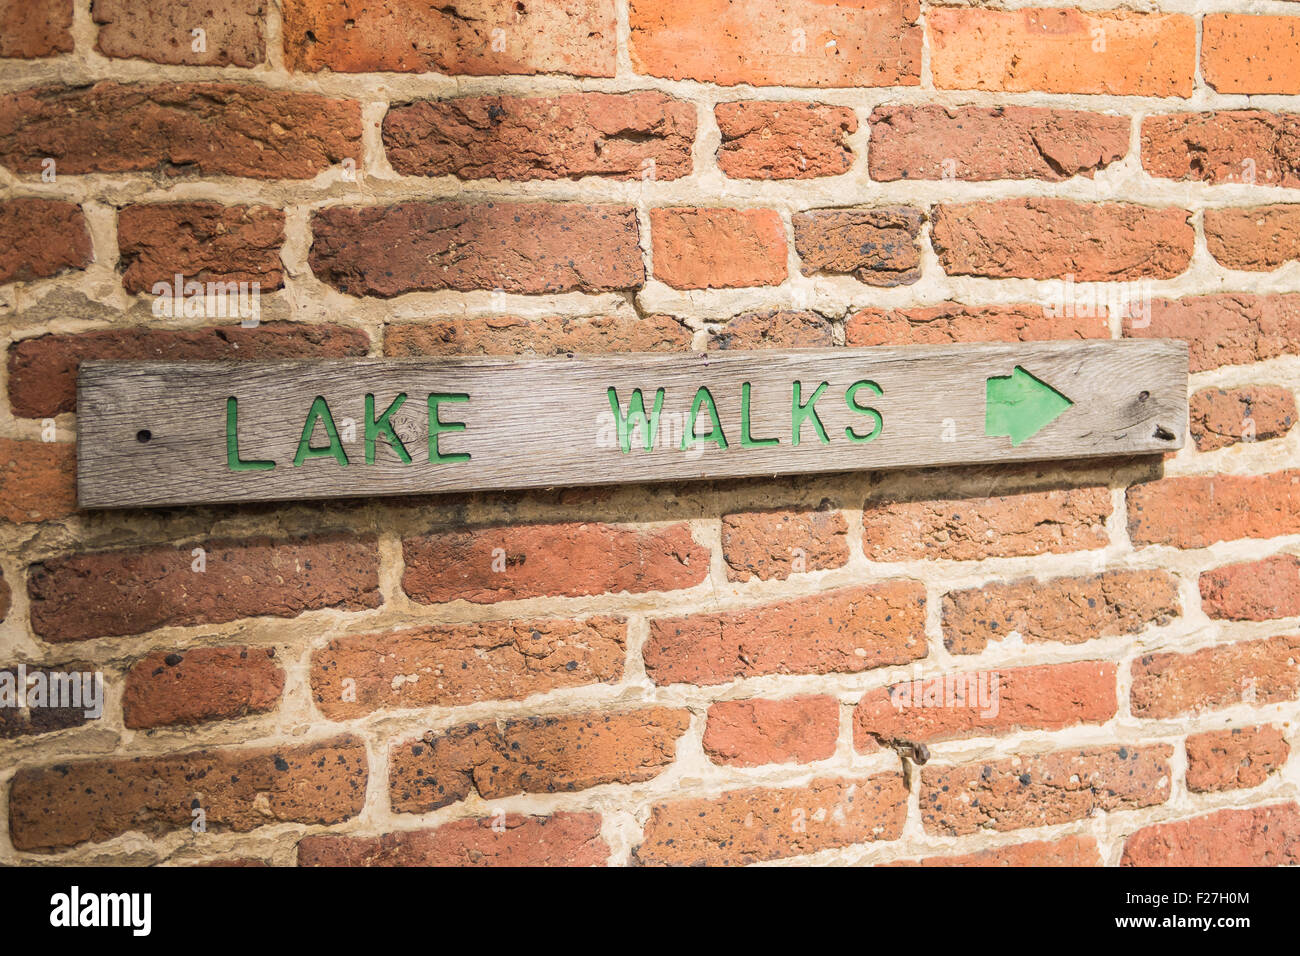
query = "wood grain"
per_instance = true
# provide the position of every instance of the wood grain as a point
(154, 433)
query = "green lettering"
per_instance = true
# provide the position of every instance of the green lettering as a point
(715, 435)
(320, 410)
(799, 412)
(745, 440)
(850, 399)
(382, 426)
(437, 427)
(636, 418)
(233, 461)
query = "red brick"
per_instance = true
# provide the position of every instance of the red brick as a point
(750, 826)
(111, 593)
(1261, 672)
(200, 684)
(1064, 610)
(1253, 590)
(554, 335)
(749, 733)
(1254, 239)
(35, 28)
(1260, 836)
(954, 322)
(454, 664)
(983, 703)
(836, 632)
(1222, 417)
(562, 839)
(1250, 54)
(1037, 790)
(618, 136)
(774, 544)
(162, 32)
(1059, 50)
(774, 329)
(238, 791)
(966, 529)
(718, 248)
(1225, 146)
(1232, 759)
(784, 140)
(38, 480)
(875, 246)
(1053, 238)
(41, 238)
(778, 42)
(204, 242)
(978, 143)
(1196, 511)
(43, 370)
(572, 559)
(1231, 329)
(516, 247)
(534, 755)
(29, 721)
(207, 129)
(577, 37)
(1067, 851)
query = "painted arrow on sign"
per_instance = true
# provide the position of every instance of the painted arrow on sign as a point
(1020, 406)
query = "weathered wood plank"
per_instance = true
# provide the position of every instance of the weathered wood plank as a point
(157, 433)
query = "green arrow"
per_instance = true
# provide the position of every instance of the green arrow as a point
(1020, 405)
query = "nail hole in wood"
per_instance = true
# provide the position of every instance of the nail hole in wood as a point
(143, 435)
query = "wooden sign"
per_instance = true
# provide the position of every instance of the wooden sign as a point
(160, 433)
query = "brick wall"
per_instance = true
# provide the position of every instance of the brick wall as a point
(695, 673)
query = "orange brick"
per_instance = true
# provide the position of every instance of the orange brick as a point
(1062, 50)
(1253, 590)
(560, 36)
(1261, 836)
(1194, 511)
(1256, 672)
(1053, 238)
(1069, 610)
(1068, 851)
(509, 563)
(1254, 239)
(750, 826)
(964, 529)
(775, 544)
(778, 42)
(1251, 54)
(38, 480)
(1042, 789)
(1222, 417)
(512, 839)
(748, 733)
(455, 664)
(954, 322)
(718, 248)
(1231, 759)
(839, 632)
(983, 703)
(533, 755)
